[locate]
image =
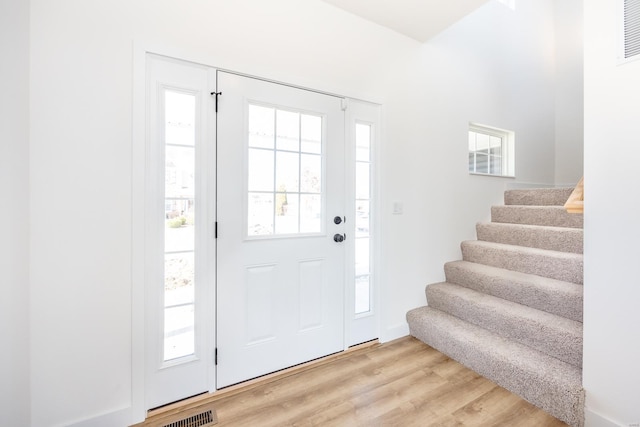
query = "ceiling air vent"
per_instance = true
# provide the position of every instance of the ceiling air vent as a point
(631, 28)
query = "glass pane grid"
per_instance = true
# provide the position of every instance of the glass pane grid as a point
(485, 153)
(284, 172)
(179, 230)
(362, 279)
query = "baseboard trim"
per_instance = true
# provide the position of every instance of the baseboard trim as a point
(120, 417)
(592, 419)
(394, 332)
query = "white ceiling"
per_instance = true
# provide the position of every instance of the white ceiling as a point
(418, 19)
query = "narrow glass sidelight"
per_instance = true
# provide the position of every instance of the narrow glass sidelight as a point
(179, 220)
(284, 172)
(362, 278)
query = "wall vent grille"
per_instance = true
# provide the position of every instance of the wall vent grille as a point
(631, 28)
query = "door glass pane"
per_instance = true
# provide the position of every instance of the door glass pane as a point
(179, 171)
(261, 126)
(179, 234)
(311, 134)
(363, 142)
(260, 170)
(362, 180)
(179, 337)
(288, 130)
(363, 294)
(180, 118)
(284, 180)
(179, 230)
(287, 210)
(178, 279)
(310, 213)
(260, 211)
(311, 173)
(362, 218)
(362, 279)
(287, 171)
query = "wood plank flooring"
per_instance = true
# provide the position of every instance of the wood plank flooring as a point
(400, 383)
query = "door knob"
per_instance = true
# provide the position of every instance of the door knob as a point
(339, 237)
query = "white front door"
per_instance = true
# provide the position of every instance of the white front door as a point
(280, 218)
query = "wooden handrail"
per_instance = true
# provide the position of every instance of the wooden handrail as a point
(575, 202)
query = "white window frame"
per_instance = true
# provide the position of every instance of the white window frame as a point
(507, 149)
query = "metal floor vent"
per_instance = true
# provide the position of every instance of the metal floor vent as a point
(200, 415)
(203, 419)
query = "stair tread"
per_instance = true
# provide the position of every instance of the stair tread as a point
(564, 239)
(537, 196)
(553, 296)
(543, 262)
(549, 383)
(536, 215)
(555, 335)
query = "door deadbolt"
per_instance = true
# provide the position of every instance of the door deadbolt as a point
(337, 220)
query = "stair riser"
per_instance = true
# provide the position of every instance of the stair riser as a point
(552, 216)
(554, 265)
(557, 337)
(543, 381)
(554, 239)
(555, 297)
(539, 197)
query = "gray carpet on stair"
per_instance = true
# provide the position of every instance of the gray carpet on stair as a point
(554, 335)
(511, 309)
(561, 239)
(537, 196)
(553, 296)
(552, 264)
(545, 381)
(552, 216)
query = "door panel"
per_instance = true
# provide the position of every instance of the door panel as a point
(281, 183)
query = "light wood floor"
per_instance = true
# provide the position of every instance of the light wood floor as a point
(400, 383)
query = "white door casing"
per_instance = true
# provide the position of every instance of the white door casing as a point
(280, 277)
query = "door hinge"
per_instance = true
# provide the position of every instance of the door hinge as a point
(344, 104)
(215, 357)
(216, 94)
(215, 230)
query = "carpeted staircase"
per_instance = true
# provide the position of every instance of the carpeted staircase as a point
(511, 310)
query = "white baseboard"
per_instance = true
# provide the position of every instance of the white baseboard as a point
(121, 417)
(394, 332)
(592, 419)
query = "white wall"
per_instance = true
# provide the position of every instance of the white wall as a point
(495, 67)
(569, 106)
(14, 213)
(612, 230)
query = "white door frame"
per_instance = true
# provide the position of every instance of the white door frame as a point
(138, 173)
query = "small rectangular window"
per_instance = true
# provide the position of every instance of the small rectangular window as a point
(491, 151)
